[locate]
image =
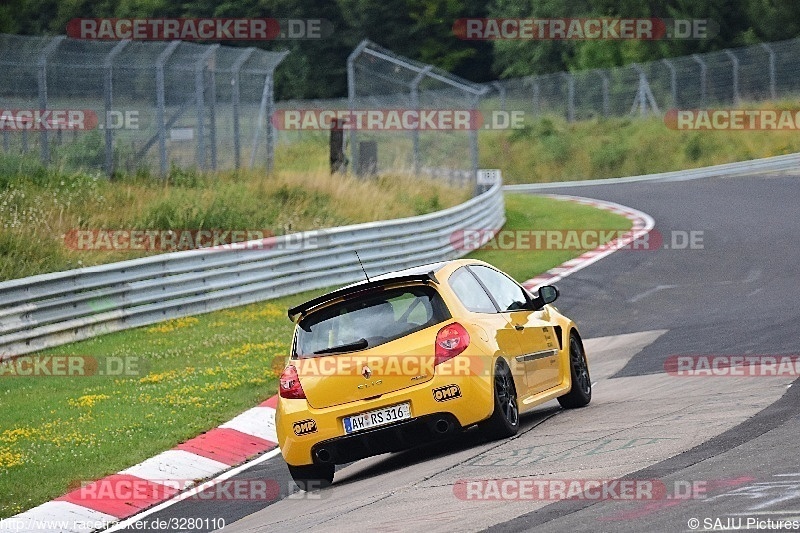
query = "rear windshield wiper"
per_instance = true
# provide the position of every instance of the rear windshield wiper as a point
(360, 344)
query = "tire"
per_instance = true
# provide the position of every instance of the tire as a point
(581, 392)
(312, 477)
(504, 421)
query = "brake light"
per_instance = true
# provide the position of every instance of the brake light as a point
(290, 386)
(450, 341)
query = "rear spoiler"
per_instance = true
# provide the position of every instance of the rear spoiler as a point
(357, 288)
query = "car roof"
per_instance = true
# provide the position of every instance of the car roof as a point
(423, 273)
(388, 276)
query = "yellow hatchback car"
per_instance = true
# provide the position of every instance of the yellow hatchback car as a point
(419, 354)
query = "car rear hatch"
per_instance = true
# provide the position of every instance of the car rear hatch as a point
(369, 344)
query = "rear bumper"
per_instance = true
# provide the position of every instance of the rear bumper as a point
(392, 438)
(303, 430)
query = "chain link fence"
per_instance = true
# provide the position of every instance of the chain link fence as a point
(729, 77)
(163, 104)
(381, 80)
(127, 105)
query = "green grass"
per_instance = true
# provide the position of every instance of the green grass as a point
(200, 372)
(549, 149)
(525, 212)
(43, 205)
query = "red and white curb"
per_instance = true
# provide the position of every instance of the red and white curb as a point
(642, 225)
(154, 481)
(225, 451)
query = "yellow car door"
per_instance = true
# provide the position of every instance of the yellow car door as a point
(539, 350)
(493, 326)
(536, 338)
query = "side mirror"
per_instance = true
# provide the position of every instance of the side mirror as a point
(547, 295)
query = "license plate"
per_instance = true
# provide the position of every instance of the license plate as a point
(378, 417)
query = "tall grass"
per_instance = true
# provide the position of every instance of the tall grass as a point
(39, 206)
(550, 149)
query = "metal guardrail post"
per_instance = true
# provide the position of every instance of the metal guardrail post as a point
(235, 97)
(108, 98)
(199, 99)
(41, 78)
(773, 93)
(735, 66)
(161, 106)
(673, 82)
(703, 78)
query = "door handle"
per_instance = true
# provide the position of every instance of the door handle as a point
(518, 327)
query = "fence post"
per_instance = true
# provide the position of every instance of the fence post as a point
(199, 99)
(773, 92)
(473, 142)
(605, 86)
(414, 86)
(735, 65)
(673, 82)
(269, 127)
(262, 111)
(536, 97)
(41, 65)
(644, 96)
(212, 112)
(703, 81)
(570, 96)
(161, 105)
(351, 98)
(108, 96)
(502, 90)
(235, 97)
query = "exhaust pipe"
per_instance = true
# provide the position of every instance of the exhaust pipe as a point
(323, 455)
(442, 426)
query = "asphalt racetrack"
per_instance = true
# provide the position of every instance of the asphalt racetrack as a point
(722, 449)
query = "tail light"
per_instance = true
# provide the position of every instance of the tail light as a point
(450, 341)
(290, 386)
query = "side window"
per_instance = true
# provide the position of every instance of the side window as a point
(505, 291)
(470, 292)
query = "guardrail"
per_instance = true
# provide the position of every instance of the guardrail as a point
(777, 163)
(51, 309)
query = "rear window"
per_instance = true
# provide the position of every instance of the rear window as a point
(369, 320)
